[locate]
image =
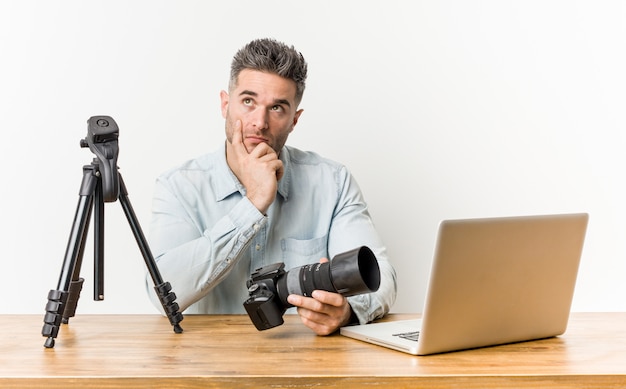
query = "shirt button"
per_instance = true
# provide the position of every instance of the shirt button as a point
(258, 247)
(256, 227)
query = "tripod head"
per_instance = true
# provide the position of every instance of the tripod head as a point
(102, 134)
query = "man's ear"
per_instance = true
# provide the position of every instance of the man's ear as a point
(224, 103)
(296, 117)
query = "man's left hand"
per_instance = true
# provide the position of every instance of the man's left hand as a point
(324, 312)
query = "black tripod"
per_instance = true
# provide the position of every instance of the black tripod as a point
(101, 183)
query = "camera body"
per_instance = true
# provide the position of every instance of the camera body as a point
(350, 273)
(262, 307)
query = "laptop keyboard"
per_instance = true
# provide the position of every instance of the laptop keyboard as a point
(413, 335)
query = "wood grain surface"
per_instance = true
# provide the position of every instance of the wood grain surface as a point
(138, 351)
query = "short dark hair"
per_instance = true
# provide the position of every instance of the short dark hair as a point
(269, 55)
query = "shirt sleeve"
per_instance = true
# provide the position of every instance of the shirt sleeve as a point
(194, 259)
(352, 226)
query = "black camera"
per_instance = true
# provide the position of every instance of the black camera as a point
(350, 273)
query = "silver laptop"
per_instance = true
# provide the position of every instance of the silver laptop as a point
(493, 281)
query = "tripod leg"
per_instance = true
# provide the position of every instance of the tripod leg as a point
(98, 254)
(163, 289)
(69, 282)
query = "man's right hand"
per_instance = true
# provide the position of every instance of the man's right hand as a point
(258, 171)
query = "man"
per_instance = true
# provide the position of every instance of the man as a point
(255, 202)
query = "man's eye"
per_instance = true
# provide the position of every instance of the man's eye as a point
(247, 101)
(277, 108)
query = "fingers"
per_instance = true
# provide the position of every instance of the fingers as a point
(261, 150)
(257, 167)
(328, 298)
(237, 139)
(318, 302)
(280, 170)
(324, 312)
(267, 154)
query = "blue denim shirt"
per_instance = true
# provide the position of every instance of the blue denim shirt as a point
(207, 237)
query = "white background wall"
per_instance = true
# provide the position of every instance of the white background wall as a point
(441, 109)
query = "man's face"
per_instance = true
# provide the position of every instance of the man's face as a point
(265, 104)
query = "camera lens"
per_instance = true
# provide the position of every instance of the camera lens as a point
(355, 272)
(350, 273)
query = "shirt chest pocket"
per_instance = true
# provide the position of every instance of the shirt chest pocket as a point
(299, 252)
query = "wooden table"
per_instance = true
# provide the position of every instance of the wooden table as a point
(112, 351)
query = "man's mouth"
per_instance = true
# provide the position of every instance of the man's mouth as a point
(256, 139)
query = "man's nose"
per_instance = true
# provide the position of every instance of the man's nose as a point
(259, 119)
